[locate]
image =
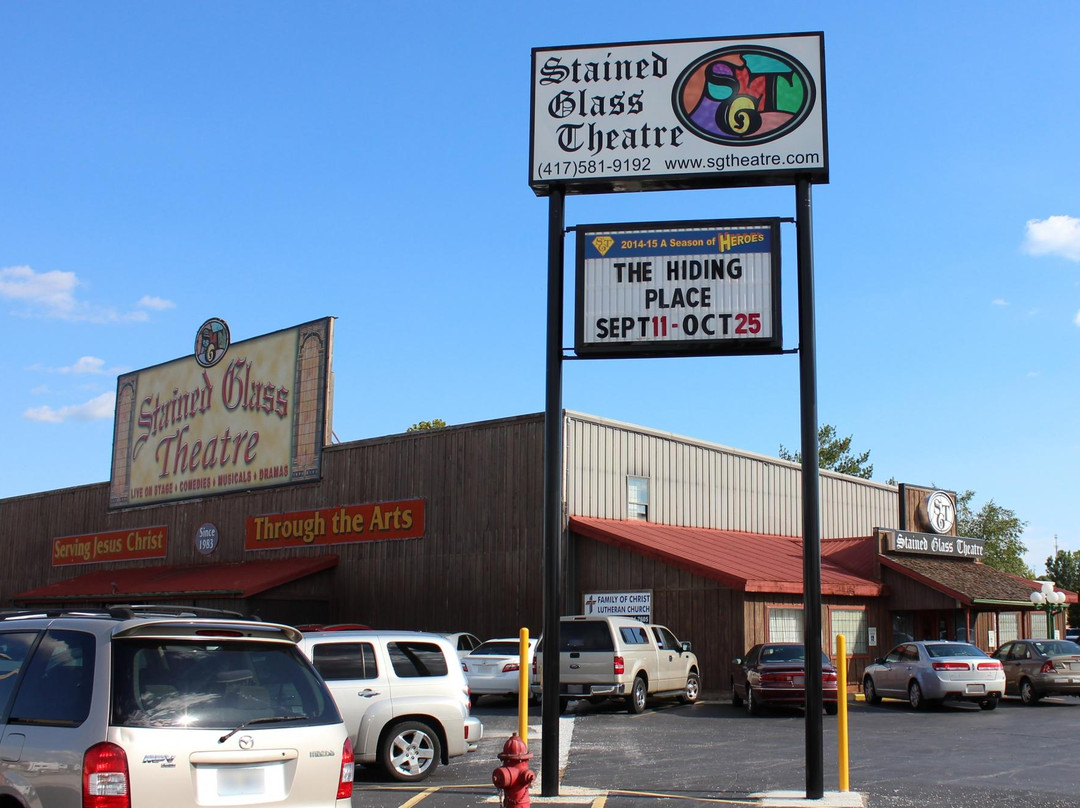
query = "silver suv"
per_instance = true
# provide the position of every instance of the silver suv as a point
(134, 706)
(403, 695)
(620, 657)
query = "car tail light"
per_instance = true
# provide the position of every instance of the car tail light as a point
(992, 665)
(828, 676)
(536, 667)
(786, 678)
(953, 666)
(620, 666)
(348, 771)
(1048, 667)
(464, 667)
(105, 777)
(510, 667)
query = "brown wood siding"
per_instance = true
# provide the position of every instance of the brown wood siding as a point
(477, 568)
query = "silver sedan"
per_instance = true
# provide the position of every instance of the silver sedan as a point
(1037, 668)
(926, 673)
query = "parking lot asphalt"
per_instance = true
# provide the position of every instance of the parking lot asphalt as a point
(711, 753)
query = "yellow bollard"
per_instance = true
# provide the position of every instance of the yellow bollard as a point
(841, 709)
(523, 686)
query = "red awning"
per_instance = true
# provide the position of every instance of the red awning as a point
(750, 562)
(236, 580)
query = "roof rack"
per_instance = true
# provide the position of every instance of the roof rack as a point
(124, 612)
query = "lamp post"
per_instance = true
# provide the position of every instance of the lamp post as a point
(1052, 601)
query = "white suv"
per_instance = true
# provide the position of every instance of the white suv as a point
(403, 695)
(140, 706)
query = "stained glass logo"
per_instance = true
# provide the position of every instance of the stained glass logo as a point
(743, 95)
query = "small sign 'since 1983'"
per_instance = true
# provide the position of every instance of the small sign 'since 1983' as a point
(692, 288)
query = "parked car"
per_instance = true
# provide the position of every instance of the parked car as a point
(927, 673)
(402, 694)
(493, 668)
(620, 657)
(1037, 668)
(1072, 634)
(463, 641)
(774, 673)
(140, 705)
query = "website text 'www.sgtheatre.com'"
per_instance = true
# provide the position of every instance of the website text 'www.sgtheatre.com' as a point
(737, 161)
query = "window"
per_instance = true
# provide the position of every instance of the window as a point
(852, 624)
(666, 640)
(588, 635)
(785, 625)
(1008, 627)
(634, 636)
(903, 627)
(345, 660)
(13, 649)
(59, 681)
(413, 659)
(637, 498)
(1038, 626)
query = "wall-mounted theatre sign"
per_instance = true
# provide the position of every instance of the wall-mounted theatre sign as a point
(232, 416)
(695, 288)
(699, 113)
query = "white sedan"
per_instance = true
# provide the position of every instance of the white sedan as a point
(494, 667)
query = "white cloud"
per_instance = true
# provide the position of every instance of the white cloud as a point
(86, 364)
(96, 409)
(1076, 319)
(1056, 235)
(1000, 301)
(53, 294)
(156, 303)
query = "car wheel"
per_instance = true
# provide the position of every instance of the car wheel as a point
(692, 691)
(989, 703)
(753, 704)
(563, 704)
(915, 696)
(638, 696)
(597, 699)
(410, 751)
(1027, 692)
(831, 708)
(870, 692)
(736, 699)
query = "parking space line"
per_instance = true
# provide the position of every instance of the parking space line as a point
(423, 795)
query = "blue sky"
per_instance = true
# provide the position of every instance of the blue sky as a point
(271, 163)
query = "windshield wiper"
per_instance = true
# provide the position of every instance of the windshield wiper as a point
(266, 720)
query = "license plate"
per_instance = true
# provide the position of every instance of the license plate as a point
(241, 782)
(797, 681)
(575, 689)
(976, 688)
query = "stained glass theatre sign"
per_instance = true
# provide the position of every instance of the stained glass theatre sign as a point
(671, 115)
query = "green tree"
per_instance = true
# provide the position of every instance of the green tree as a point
(1000, 528)
(423, 426)
(1064, 570)
(835, 454)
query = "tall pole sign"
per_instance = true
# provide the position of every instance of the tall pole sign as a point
(672, 115)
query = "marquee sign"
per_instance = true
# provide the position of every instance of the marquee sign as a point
(678, 288)
(701, 113)
(232, 416)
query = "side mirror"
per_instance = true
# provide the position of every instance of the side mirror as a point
(685, 646)
(879, 661)
(736, 661)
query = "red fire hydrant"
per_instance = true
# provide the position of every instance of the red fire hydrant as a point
(514, 777)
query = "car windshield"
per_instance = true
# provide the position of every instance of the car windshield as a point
(496, 649)
(788, 653)
(1056, 647)
(215, 685)
(953, 649)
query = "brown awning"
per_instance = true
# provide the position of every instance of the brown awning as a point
(967, 581)
(750, 562)
(235, 580)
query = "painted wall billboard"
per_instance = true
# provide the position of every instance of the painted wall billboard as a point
(345, 524)
(702, 113)
(678, 288)
(117, 545)
(230, 417)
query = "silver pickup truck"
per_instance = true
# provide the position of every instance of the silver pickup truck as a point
(619, 657)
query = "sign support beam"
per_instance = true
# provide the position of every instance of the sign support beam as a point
(553, 522)
(811, 492)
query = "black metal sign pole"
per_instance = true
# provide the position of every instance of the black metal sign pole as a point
(553, 461)
(811, 499)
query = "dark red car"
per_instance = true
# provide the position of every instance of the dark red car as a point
(774, 673)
